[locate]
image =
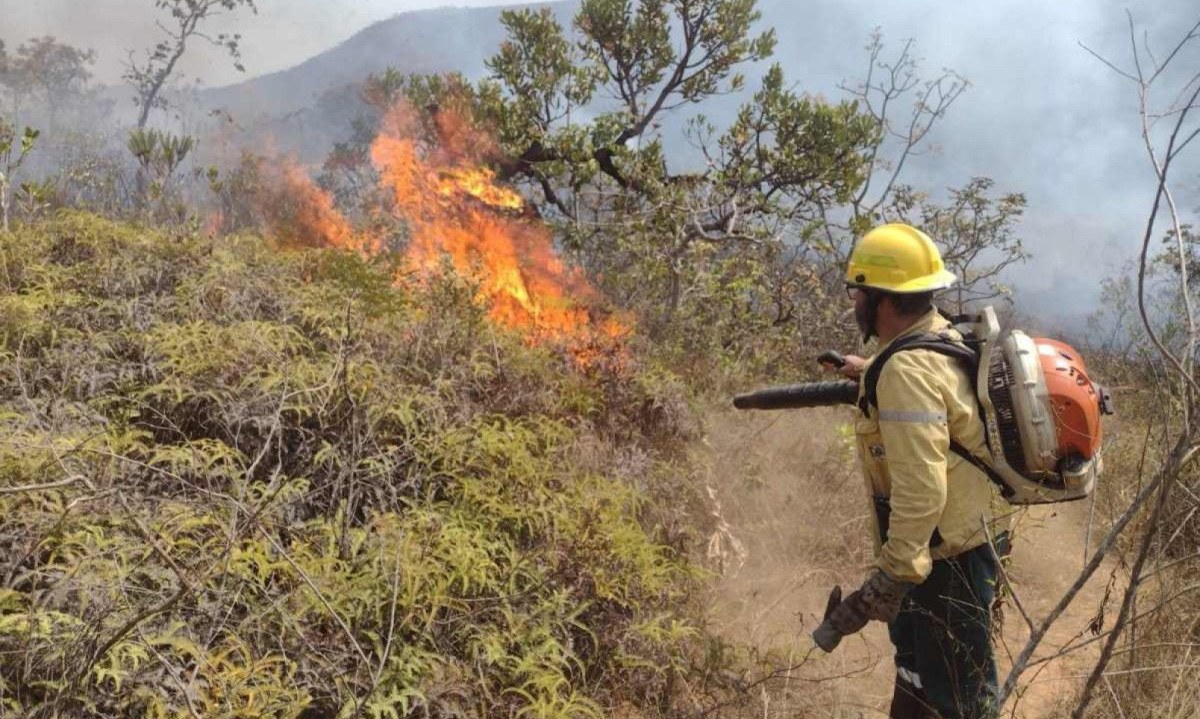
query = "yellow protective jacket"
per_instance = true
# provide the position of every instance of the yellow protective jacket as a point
(925, 398)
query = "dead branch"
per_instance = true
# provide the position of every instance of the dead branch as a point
(41, 487)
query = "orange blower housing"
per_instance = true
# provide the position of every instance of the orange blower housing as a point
(1075, 402)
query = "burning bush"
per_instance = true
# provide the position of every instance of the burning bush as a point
(436, 192)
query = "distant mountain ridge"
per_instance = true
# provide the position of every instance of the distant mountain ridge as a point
(422, 42)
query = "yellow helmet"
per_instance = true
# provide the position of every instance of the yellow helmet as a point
(897, 258)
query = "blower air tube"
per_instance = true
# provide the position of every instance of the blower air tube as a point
(800, 396)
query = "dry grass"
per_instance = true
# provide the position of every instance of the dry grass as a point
(791, 494)
(1155, 670)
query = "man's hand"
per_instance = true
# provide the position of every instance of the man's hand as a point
(881, 595)
(842, 618)
(845, 365)
(879, 598)
(853, 367)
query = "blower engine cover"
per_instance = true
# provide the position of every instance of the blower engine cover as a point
(1075, 401)
(1042, 413)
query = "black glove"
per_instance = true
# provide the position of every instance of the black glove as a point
(879, 598)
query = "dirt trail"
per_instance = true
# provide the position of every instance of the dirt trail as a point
(792, 508)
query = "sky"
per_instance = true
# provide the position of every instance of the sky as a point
(282, 34)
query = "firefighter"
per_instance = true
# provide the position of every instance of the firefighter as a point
(934, 579)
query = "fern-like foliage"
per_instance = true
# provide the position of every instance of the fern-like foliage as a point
(275, 484)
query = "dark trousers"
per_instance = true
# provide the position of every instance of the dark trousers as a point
(943, 636)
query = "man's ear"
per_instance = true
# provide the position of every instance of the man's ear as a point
(885, 300)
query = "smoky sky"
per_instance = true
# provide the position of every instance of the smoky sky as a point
(283, 33)
(1042, 116)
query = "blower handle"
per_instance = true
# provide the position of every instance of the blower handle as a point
(832, 359)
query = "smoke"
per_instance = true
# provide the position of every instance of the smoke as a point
(1043, 116)
(284, 33)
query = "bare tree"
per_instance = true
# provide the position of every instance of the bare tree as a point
(187, 18)
(13, 150)
(889, 86)
(1167, 129)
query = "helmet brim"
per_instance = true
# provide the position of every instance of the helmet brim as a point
(929, 283)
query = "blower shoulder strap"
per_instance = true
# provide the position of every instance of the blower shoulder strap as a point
(943, 345)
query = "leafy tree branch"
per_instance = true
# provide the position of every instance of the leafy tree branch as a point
(187, 19)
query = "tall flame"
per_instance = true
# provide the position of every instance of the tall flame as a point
(454, 209)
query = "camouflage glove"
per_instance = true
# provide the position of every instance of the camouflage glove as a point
(841, 619)
(881, 595)
(879, 598)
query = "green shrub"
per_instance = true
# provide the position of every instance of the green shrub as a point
(283, 486)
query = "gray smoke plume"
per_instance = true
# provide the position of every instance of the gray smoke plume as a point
(284, 33)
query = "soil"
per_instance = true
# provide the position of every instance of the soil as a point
(791, 513)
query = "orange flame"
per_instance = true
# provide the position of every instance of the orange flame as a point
(310, 217)
(526, 283)
(454, 209)
(300, 214)
(480, 184)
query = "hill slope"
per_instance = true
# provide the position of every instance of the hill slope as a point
(239, 481)
(421, 42)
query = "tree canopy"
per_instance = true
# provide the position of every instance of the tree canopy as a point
(723, 235)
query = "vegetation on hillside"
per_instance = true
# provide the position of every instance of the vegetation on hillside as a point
(240, 482)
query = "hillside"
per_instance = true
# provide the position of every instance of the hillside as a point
(422, 42)
(247, 480)
(305, 109)
(240, 480)
(410, 398)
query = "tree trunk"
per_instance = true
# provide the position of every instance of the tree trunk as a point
(4, 203)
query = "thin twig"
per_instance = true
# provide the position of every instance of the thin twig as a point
(1012, 589)
(40, 487)
(1102, 636)
(1127, 601)
(319, 594)
(1113, 694)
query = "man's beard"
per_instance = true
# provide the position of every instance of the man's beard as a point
(863, 317)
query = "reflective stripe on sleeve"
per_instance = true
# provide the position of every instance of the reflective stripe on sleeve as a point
(896, 415)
